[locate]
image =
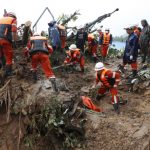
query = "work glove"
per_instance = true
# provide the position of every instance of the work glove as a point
(131, 57)
(65, 62)
(115, 85)
(97, 85)
(26, 52)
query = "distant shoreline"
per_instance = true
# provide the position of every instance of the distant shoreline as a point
(118, 45)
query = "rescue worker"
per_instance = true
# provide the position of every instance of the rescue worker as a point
(2, 58)
(27, 33)
(105, 42)
(145, 41)
(81, 38)
(92, 46)
(8, 35)
(74, 56)
(137, 31)
(63, 36)
(54, 35)
(109, 81)
(39, 50)
(100, 34)
(131, 50)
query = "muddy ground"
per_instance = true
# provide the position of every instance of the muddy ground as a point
(130, 130)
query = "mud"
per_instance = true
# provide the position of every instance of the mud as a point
(130, 130)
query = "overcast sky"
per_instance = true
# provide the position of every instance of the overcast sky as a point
(130, 11)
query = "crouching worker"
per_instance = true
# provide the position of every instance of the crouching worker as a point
(109, 81)
(39, 50)
(74, 56)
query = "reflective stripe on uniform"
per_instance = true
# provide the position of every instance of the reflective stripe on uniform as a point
(117, 80)
(114, 74)
(115, 99)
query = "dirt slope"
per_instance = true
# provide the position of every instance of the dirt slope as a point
(130, 130)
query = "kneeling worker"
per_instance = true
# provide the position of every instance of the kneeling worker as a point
(74, 56)
(110, 81)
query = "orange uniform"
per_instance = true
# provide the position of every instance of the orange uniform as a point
(89, 104)
(104, 42)
(110, 80)
(8, 30)
(75, 56)
(92, 45)
(39, 50)
(137, 32)
(63, 35)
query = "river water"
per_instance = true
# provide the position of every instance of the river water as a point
(118, 45)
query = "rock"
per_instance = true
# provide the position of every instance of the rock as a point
(146, 145)
(142, 131)
(85, 89)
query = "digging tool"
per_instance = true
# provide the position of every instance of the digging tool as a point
(61, 66)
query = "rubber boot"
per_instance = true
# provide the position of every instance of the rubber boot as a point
(8, 70)
(116, 108)
(94, 59)
(121, 69)
(99, 97)
(143, 58)
(35, 78)
(103, 59)
(54, 85)
(82, 70)
(134, 73)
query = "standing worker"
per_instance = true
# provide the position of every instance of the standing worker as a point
(81, 38)
(27, 33)
(110, 81)
(105, 42)
(54, 35)
(8, 35)
(63, 36)
(145, 41)
(137, 31)
(100, 35)
(92, 46)
(39, 50)
(131, 50)
(74, 56)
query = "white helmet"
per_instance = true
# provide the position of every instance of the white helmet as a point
(73, 47)
(36, 34)
(99, 66)
(28, 23)
(11, 14)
